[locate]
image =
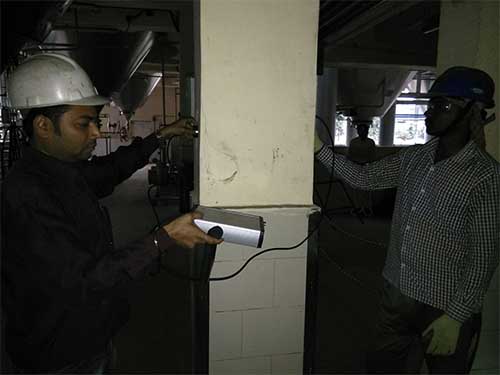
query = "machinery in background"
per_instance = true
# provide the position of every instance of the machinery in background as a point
(12, 138)
(172, 176)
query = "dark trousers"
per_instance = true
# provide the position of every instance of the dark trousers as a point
(399, 347)
(100, 364)
(97, 365)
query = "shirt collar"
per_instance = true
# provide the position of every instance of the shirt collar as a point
(463, 155)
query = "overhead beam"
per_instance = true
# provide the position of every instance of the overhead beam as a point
(352, 56)
(112, 20)
(375, 15)
(135, 5)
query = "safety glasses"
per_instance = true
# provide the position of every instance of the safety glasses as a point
(445, 104)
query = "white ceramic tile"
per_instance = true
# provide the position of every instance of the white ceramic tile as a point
(225, 335)
(243, 366)
(290, 285)
(226, 267)
(229, 251)
(273, 331)
(284, 228)
(252, 288)
(299, 252)
(487, 353)
(281, 223)
(287, 364)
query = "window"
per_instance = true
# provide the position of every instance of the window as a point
(409, 124)
(374, 132)
(341, 124)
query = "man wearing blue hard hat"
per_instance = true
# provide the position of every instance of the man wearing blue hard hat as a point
(445, 242)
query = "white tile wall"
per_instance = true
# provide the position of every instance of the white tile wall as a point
(257, 318)
(225, 335)
(290, 288)
(284, 228)
(276, 331)
(229, 251)
(243, 366)
(299, 252)
(253, 288)
(287, 364)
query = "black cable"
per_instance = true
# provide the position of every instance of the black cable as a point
(152, 206)
(323, 215)
(348, 274)
(349, 234)
(167, 149)
(155, 229)
(333, 162)
(185, 277)
(316, 191)
(332, 180)
(262, 252)
(309, 234)
(325, 206)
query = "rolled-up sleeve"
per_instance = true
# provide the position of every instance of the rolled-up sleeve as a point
(382, 174)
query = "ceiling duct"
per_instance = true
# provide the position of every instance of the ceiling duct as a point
(135, 92)
(26, 23)
(111, 59)
(343, 20)
(368, 93)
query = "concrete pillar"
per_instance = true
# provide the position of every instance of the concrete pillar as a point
(256, 68)
(387, 127)
(469, 36)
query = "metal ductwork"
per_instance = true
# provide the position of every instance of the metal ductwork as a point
(368, 93)
(135, 92)
(26, 23)
(110, 59)
(116, 62)
(343, 20)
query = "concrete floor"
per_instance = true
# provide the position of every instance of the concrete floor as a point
(157, 337)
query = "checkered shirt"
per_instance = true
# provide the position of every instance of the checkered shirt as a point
(445, 235)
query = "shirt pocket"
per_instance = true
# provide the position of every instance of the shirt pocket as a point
(450, 217)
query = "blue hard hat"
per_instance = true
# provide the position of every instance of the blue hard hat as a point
(467, 83)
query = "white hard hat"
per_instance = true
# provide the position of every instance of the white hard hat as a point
(47, 80)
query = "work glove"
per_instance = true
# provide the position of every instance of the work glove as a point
(443, 333)
(318, 143)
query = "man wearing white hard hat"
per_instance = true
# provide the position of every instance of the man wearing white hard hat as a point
(62, 278)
